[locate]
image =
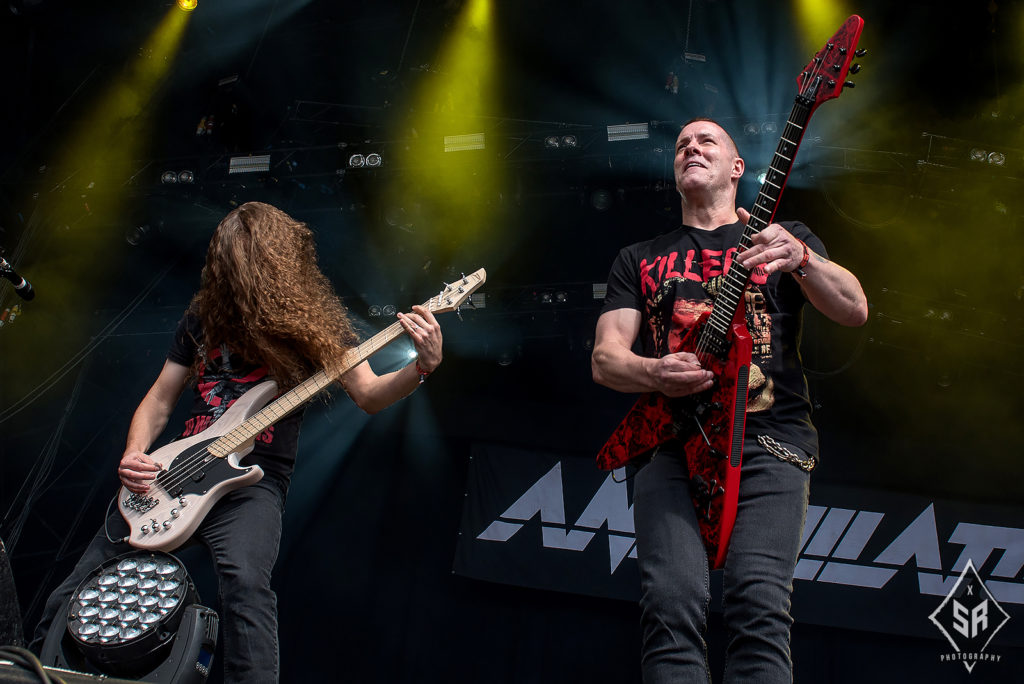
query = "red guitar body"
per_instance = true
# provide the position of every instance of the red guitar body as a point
(709, 430)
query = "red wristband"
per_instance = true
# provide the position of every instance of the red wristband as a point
(799, 270)
(422, 373)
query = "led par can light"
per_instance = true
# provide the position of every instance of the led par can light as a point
(125, 615)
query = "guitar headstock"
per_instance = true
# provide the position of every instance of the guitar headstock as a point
(455, 295)
(824, 77)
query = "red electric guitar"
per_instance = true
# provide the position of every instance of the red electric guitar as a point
(710, 425)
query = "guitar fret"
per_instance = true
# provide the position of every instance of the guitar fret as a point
(718, 328)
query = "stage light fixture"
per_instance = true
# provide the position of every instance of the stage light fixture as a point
(762, 175)
(750, 128)
(168, 177)
(617, 132)
(977, 154)
(569, 142)
(188, 5)
(136, 234)
(461, 143)
(186, 176)
(136, 616)
(561, 297)
(373, 160)
(601, 199)
(374, 311)
(356, 161)
(389, 310)
(552, 142)
(253, 163)
(600, 290)
(997, 158)
(769, 128)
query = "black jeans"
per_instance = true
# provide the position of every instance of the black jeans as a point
(242, 532)
(758, 579)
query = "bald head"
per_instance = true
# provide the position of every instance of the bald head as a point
(725, 133)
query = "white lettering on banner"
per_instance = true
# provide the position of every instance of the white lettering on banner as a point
(833, 542)
(610, 504)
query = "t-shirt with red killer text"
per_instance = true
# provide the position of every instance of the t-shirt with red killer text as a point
(223, 378)
(672, 279)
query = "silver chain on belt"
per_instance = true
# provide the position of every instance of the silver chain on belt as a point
(780, 452)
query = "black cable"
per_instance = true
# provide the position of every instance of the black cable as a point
(25, 659)
(106, 522)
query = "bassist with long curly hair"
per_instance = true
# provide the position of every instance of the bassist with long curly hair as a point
(264, 312)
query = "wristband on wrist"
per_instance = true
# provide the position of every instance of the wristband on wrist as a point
(422, 373)
(799, 270)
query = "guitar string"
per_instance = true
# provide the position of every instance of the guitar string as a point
(738, 275)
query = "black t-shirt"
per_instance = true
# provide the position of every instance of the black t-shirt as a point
(223, 378)
(673, 278)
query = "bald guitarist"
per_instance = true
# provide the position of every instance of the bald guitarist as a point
(657, 291)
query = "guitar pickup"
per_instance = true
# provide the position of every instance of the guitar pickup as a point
(703, 409)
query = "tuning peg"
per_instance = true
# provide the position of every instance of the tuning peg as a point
(861, 52)
(849, 84)
(854, 68)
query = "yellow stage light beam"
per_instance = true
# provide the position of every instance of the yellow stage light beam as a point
(454, 188)
(818, 20)
(84, 205)
(187, 5)
(107, 140)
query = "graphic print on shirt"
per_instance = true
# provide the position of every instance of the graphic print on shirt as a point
(660, 280)
(220, 385)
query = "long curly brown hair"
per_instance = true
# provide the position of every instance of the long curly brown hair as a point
(264, 296)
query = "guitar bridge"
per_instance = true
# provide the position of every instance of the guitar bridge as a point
(139, 503)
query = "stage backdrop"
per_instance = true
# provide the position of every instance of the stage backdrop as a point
(869, 560)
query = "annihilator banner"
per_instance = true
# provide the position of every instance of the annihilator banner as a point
(869, 560)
